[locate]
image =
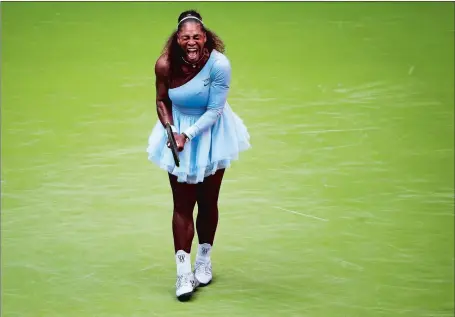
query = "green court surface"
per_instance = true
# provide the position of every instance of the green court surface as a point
(342, 208)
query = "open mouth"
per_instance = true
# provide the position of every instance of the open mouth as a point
(192, 54)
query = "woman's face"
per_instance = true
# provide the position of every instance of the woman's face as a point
(191, 39)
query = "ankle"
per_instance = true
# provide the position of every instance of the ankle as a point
(183, 261)
(203, 252)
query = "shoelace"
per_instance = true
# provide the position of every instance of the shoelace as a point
(184, 279)
(202, 267)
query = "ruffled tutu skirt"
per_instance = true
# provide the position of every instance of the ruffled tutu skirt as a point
(213, 149)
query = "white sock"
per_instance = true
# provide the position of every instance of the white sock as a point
(183, 261)
(203, 252)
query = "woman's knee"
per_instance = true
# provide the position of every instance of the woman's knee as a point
(182, 206)
(207, 204)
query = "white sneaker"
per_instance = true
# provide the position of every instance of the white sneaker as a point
(185, 286)
(203, 273)
(186, 283)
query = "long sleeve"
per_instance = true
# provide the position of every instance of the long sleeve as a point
(220, 76)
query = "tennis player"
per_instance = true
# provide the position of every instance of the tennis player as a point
(192, 83)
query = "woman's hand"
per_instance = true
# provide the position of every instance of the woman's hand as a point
(180, 139)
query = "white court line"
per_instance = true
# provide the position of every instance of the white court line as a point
(298, 213)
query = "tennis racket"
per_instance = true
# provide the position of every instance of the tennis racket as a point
(173, 144)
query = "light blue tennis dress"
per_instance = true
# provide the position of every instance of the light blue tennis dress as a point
(200, 110)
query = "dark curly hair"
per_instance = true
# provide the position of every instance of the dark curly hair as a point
(174, 52)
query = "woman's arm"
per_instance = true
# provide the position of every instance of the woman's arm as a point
(163, 103)
(220, 76)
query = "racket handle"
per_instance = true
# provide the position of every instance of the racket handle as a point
(172, 143)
